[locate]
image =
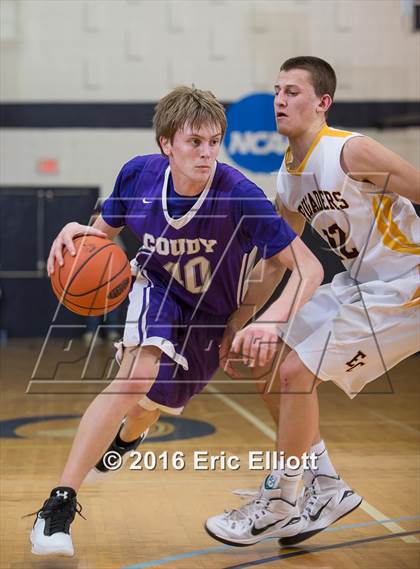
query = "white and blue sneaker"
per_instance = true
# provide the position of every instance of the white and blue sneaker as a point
(269, 515)
(50, 534)
(326, 500)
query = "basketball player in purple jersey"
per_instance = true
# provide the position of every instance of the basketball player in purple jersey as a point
(199, 223)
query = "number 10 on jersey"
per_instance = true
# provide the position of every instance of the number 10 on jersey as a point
(195, 275)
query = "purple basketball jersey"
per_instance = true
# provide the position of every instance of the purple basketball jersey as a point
(203, 257)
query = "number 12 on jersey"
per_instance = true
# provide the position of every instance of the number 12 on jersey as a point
(337, 239)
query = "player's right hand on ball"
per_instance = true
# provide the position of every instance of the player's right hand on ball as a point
(65, 239)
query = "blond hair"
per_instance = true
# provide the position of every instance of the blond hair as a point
(187, 106)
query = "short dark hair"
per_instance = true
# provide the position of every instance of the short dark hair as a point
(187, 106)
(322, 74)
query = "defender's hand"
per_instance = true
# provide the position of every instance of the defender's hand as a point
(256, 343)
(226, 357)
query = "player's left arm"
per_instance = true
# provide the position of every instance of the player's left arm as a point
(367, 160)
(257, 342)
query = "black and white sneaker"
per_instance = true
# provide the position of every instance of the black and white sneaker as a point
(50, 534)
(113, 458)
(326, 500)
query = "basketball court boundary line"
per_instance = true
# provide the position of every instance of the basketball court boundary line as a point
(322, 548)
(271, 434)
(395, 423)
(221, 548)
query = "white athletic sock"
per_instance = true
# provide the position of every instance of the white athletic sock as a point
(323, 463)
(287, 479)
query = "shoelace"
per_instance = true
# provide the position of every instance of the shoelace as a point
(250, 510)
(59, 513)
(246, 493)
(310, 498)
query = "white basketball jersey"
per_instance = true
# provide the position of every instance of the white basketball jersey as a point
(374, 232)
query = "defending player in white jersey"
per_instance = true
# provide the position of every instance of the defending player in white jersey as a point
(357, 195)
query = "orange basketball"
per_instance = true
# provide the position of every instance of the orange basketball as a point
(96, 280)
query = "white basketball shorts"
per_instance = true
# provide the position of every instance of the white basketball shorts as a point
(351, 333)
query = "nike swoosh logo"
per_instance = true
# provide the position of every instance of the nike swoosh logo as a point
(316, 516)
(257, 531)
(146, 201)
(346, 494)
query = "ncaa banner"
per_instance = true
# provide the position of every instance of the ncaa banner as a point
(251, 139)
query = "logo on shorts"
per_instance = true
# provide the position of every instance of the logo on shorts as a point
(356, 361)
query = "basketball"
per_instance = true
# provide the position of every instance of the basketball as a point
(95, 280)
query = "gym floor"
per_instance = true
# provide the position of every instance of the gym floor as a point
(154, 517)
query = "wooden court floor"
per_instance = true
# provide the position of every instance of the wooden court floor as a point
(153, 517)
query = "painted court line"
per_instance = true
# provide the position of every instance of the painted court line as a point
(271, 434)
(250, 417)
(391, 526)
(220, 549)
(398, 424)
(320, 548)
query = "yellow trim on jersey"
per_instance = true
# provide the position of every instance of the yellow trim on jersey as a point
(415, 301)
(336, 132)
(392, 236)
(324, 131)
